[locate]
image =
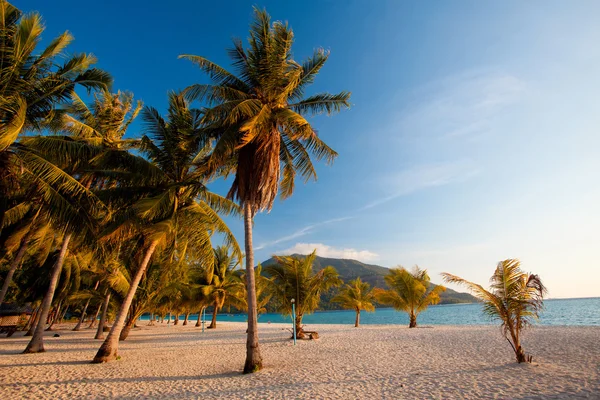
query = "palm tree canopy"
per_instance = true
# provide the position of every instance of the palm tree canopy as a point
(293, 278)
(173, 201)
(257, 116)
(515, 297)
(32, 84)
(409, 290)
(356, 295)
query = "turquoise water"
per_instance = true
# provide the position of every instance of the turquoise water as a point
(556, 312)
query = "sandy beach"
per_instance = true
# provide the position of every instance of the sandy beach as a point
(430, 362)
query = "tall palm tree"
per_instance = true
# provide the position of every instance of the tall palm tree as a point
(293, 278)
(410, 291)
(356, 295)
(258, 120)
(515, 298)
(224, 283)
(175, 211)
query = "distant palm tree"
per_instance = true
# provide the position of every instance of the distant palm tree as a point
(356, 295)
(516, 299)
(176, 210)
(224, 283)
(409, 291)
(257, 119)
(293, 278)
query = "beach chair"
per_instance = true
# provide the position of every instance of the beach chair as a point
(9, 323)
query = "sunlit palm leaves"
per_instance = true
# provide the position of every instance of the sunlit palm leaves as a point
(410, 291)
(515, 298)
(356, 295)
(293, 278)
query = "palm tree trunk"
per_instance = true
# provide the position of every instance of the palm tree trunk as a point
(100, 330)
(32, 319)
(93, 321)
(199, 321)
(176, 319)
(18, 257)
(413, 320)
(357, 322)
(36, 345)
(35, 322)
(108, 350)
(185, 321)
(253, 358)
(125, 332)
(83, 313)
(299, 331)
(55, 316)
(213, 322)
(82, 317)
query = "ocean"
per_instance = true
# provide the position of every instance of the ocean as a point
(583, 312)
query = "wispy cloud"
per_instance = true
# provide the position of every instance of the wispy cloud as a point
(424, 176)
(464, 105)
(324, 250)
(300, 232)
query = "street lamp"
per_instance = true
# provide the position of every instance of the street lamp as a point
(294, 319)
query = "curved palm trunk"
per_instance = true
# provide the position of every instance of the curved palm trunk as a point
(413, 320)
(253, 358)
(36, 345)
(199, 321)
(185, 321)
(100, 330)
(35, 322)
(32, 320)
(176, 319)
(108, 350)
(18, 258)
(56, 316)
(83, 313)
(357, 321)
(125, 332)
(93, 321)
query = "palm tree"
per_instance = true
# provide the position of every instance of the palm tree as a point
(515, 298)
(30, 87)
(410, 291)
(177, 211)
(293, 278)
(356, 295)
(258, 120)
(223, 282)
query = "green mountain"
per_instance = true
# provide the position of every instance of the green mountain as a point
(373, 274)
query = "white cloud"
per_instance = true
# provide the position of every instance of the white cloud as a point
(324, 250)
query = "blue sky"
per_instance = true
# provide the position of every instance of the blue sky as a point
(474, 134)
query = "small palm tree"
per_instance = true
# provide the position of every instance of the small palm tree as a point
(516, 299)
(223, 281)
(293, 278)
(410, 291)
(258, 119)
(356, 295)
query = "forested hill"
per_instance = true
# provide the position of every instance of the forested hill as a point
(374, 275)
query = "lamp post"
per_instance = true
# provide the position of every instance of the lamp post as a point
(294, 318)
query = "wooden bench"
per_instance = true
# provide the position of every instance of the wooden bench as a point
(9, 323)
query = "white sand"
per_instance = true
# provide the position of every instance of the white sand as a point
(393, 362)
